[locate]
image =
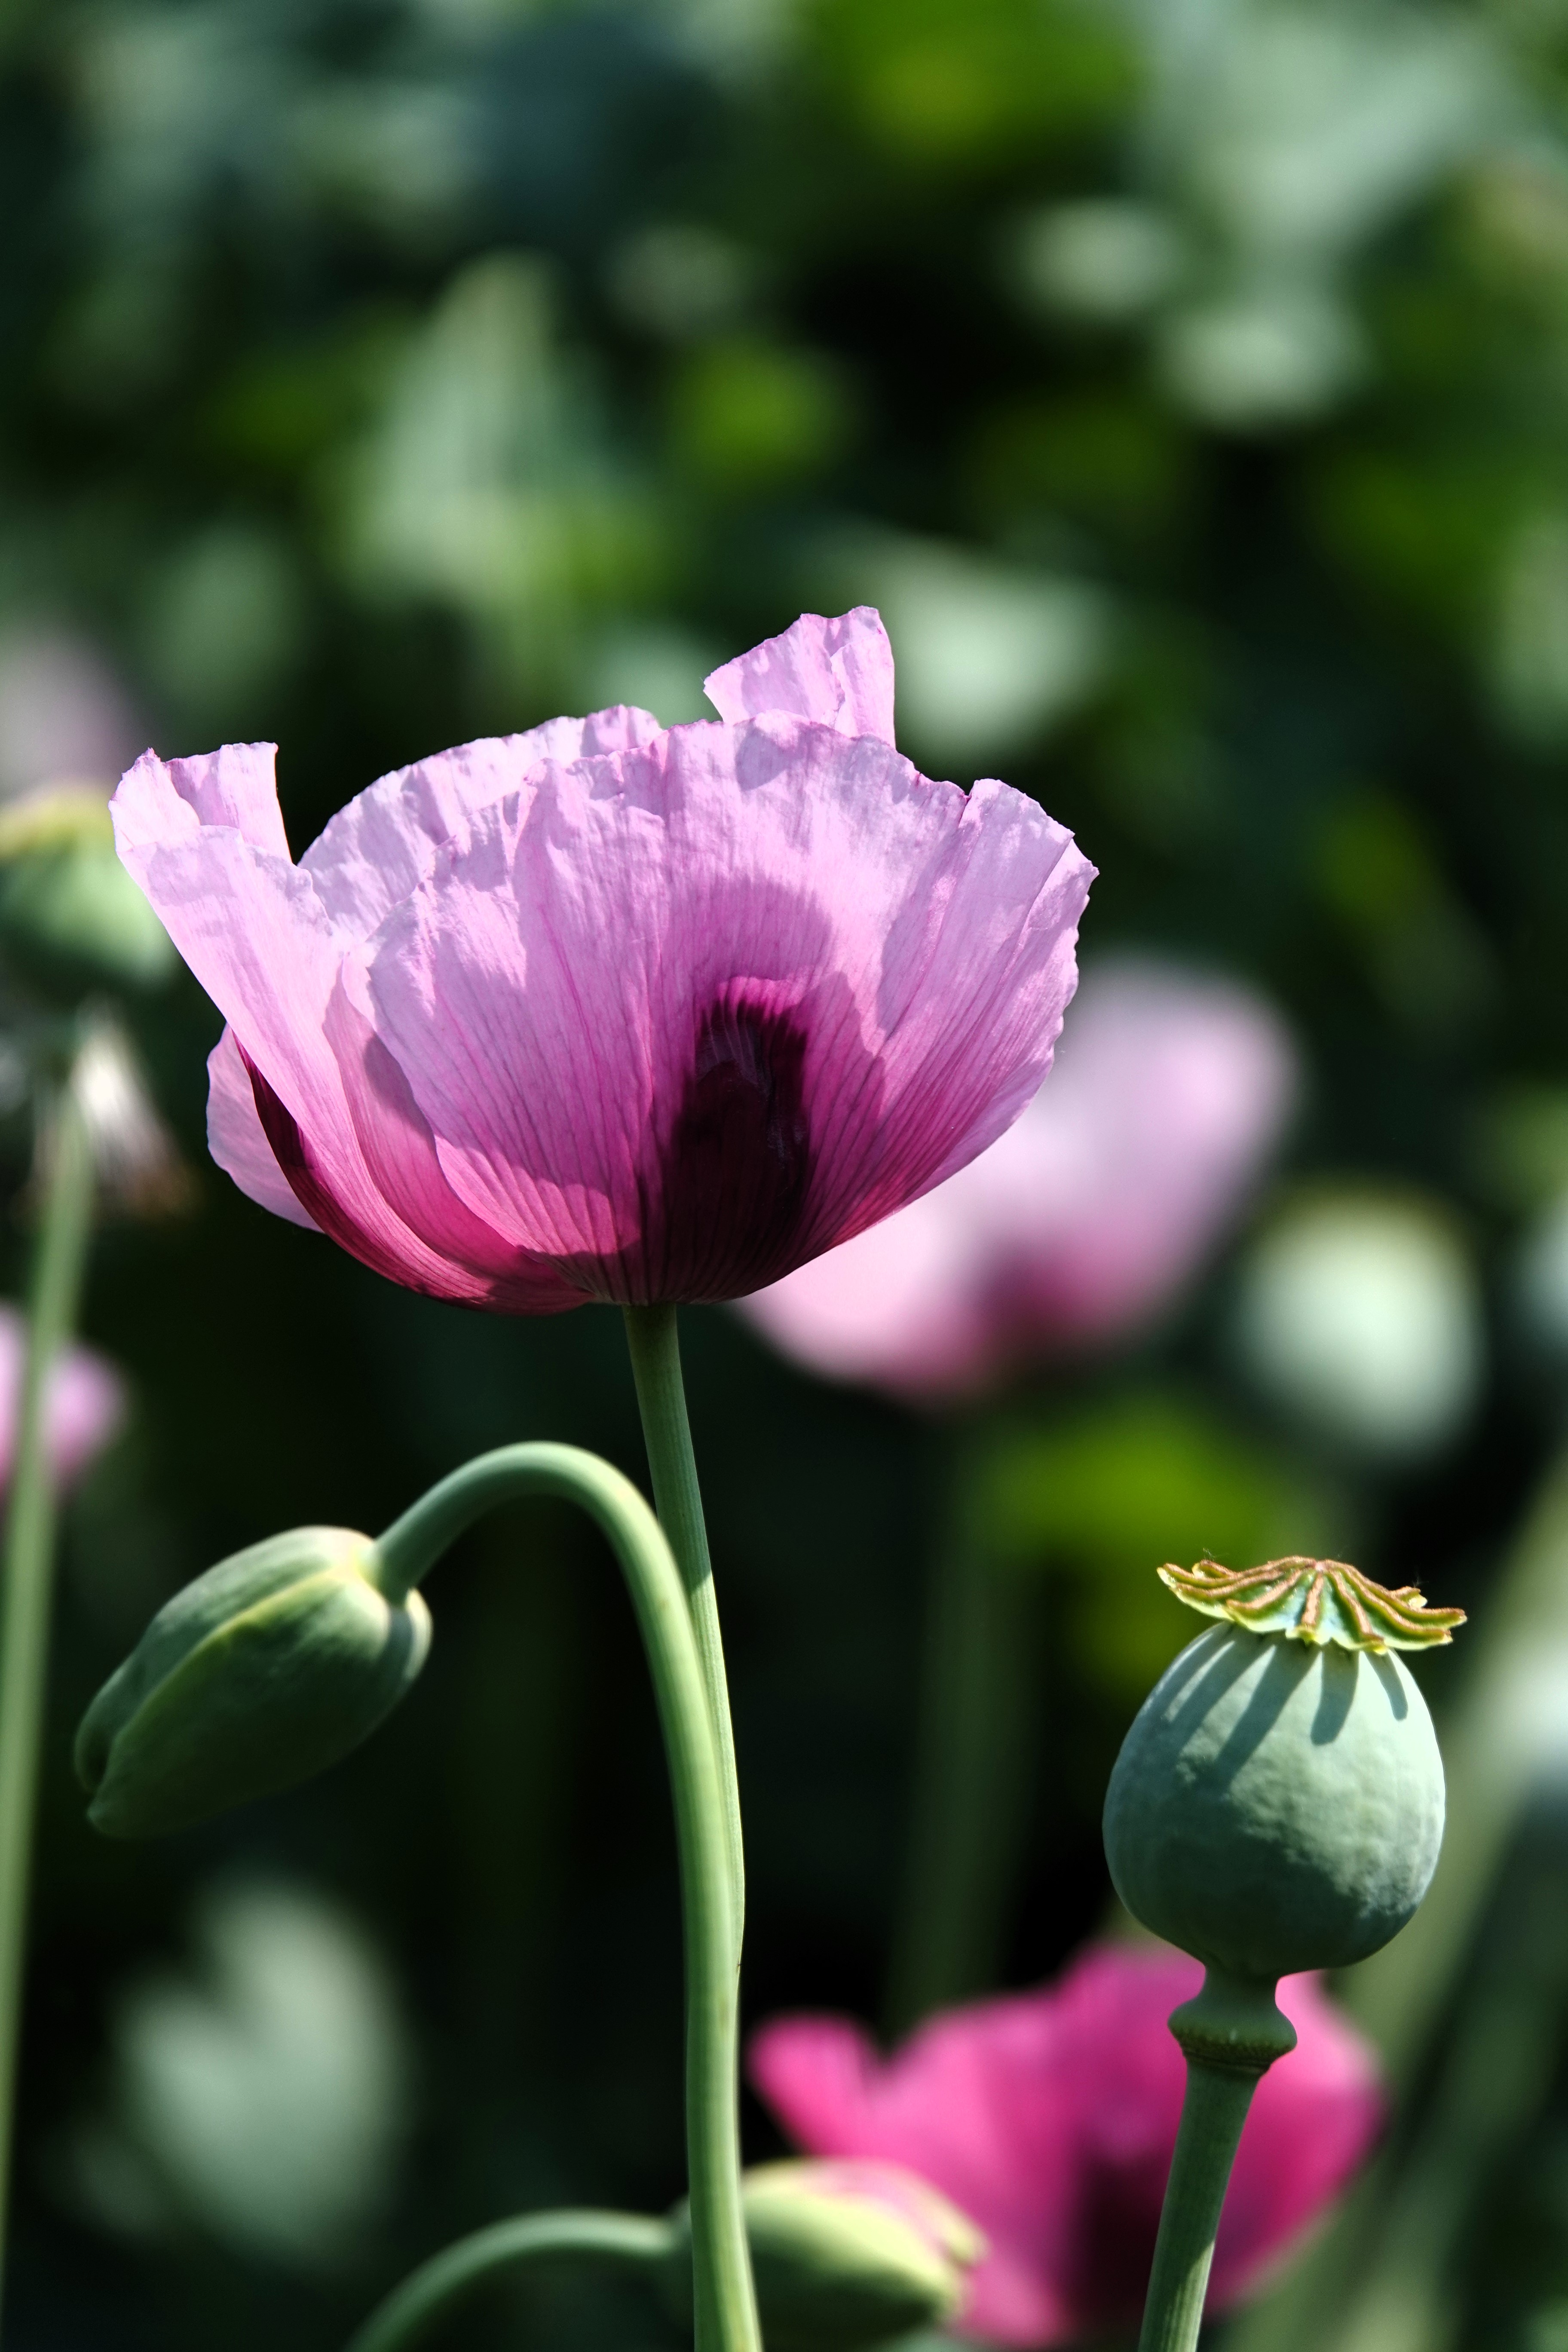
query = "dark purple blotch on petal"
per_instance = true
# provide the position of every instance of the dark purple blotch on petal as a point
(728, 1201)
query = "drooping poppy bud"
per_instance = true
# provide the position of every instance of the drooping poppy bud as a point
(263, 1672)
(70, 916)
(1277, 1804)
(845, 2256)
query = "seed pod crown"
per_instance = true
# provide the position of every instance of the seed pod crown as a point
(1317, 1601)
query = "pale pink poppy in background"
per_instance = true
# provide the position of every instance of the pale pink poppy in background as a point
(1049, 2118)
(616, 1011)
(1084, 1220)
(86, 1403)
(64, 716)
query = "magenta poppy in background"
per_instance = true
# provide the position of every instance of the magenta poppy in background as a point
(617, 1010)
(1088, 1216)
(1049, 2118)
(86, 1403)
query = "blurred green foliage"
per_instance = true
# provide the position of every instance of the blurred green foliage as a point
(1185, 380)
(1094, 1499)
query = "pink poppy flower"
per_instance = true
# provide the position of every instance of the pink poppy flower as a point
(613, 1011)
(1049, 2118)
(86, 1403)
(1083, 1220)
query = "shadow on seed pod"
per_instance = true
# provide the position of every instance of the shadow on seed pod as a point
(263, 1672)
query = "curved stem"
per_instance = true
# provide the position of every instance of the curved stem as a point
(59, 1258)
(723, 2298)
(1231, 2032)
(653, 1339)
(428, 2293)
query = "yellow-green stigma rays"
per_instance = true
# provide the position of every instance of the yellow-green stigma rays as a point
(1317, 1601)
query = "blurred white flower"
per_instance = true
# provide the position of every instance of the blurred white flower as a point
(656, 665)
(487, 483)
(136, 1160)
(991, 653)
(397, 153)
(267, 2097)
(225, 620)
(1263, 356)
(1360, 1312)
(1109, 259)
(677, 279)
(64, 716)
(1277, 140)
(1301, 131)
(1540, 1278)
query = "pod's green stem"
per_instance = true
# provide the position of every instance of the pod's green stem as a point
(1230, 2034)
(723, 2298)
(428, 2294)
(58, 1262)
(652, 1340)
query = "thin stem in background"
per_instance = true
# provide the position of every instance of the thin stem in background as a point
(723, 2298)
(654, 1340)
(973, 1733)
(59, 1258)
(429, 2293)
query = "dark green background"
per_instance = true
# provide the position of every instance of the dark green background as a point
(337, 407)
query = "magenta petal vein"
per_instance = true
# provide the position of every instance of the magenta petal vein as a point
(615, 1010)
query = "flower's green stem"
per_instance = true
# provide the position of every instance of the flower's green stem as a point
(655, 1343)
(723, 2298)
(428, 2294)
(57, 1265)
(1231, 2033)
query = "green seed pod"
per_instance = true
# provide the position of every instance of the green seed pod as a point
(71, 919)
(1278, 1803)
(263, 1672)
(845, 2256)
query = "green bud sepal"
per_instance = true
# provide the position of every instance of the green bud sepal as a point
(845, 2256)
(264, 1670)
